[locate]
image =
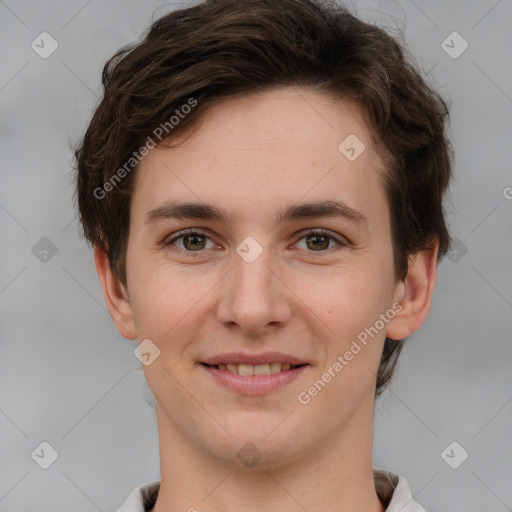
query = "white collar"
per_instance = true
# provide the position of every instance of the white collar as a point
(392, 489)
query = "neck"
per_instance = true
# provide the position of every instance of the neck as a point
(336, 474)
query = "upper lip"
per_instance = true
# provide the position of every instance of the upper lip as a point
(253, 359)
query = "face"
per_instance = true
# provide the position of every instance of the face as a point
(264, 270)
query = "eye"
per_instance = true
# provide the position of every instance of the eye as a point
(319, 240)
(196, 241)
(191, 241)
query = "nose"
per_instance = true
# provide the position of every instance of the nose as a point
(253, 296)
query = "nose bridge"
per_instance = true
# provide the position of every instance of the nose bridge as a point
(252, 271)
(252, 296)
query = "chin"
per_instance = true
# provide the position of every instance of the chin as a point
(266, 446)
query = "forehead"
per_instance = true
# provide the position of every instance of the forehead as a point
(255, 152)
(302, 120)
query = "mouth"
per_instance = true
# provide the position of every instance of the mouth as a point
(259, 370)
(259, 378)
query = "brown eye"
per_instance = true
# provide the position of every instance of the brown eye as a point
(317, 242)
(320, 241)
(194, 242)
(190, 241)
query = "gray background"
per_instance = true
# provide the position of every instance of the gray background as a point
(68, 378)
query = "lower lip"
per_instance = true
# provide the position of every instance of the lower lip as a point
(254, 384)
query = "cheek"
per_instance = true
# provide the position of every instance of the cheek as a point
(348, 305)
(345, 298)
(167, 302)
(152, 299)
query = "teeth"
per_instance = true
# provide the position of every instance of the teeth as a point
(275, 367)
(262, 369)
(245, 369)
(259, 369)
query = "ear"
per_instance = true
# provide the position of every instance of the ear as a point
(116, 296)
(414, 294)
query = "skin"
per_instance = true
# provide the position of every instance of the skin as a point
(254, 155)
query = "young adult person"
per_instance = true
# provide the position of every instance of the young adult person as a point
(262, 183)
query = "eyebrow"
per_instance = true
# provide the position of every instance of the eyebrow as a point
(204, 211)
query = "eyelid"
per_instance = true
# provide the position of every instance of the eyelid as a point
(342, 240)
(169, 240)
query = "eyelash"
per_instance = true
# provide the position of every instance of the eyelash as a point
(311, 232)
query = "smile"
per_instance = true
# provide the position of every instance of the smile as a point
(258, 369)
(260, 379)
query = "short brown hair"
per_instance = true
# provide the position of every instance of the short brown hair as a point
(222, 48)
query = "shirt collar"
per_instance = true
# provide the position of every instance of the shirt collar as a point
(392, 490)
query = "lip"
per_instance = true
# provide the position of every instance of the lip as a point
(255, 384)
(253, 359)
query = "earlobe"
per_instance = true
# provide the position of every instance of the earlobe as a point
(116, 296)
(414, 294)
